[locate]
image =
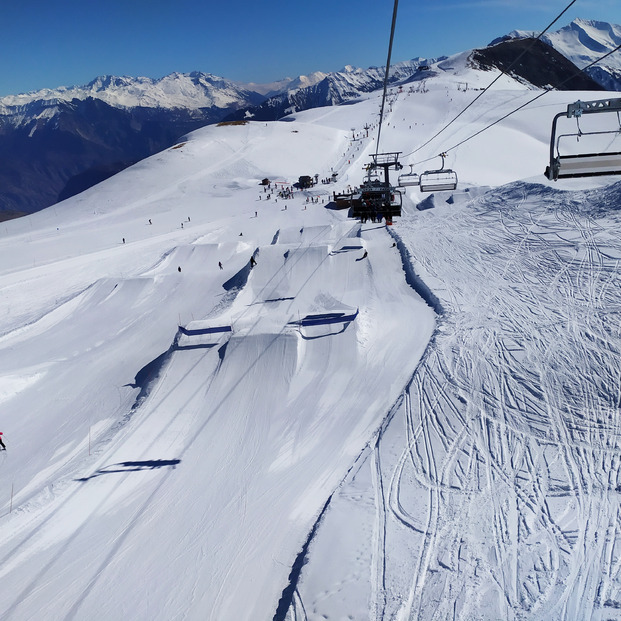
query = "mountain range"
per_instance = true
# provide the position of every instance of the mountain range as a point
(55, 143)
(332, 89)
(582, 42)
(228, 401)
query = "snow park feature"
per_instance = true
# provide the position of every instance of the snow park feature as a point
(201, 334)
(419, 421)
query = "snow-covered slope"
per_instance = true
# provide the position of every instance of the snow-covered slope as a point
(447, 404)
(54, 143)
(584, 41)
(329, 89)
(178, 90)
(273, 88)
(136, 259)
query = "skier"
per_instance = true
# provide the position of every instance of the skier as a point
(220, 264)
(252, 262)
(2, 443)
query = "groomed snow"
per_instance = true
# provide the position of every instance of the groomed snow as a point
(175, 430)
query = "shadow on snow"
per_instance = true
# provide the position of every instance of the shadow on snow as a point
(133, 466)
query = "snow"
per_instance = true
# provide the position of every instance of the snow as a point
(498, 471)
(584, 41)
(434, 427)
(176, 90)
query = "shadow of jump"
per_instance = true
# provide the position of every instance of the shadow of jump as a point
(133, 466)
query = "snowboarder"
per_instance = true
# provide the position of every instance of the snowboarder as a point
(2, 443)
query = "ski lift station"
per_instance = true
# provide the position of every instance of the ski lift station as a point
(376, 198)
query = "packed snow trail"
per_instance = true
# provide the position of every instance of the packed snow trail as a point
(275, 455)
(139, 456)
(160, 474)
(499, 469)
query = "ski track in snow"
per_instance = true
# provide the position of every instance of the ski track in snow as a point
(504, 477)
(197, 388)
(478, 472)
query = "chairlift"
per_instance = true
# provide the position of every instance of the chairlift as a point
(408, 179)
(589, 163)
(438, 180)
(377, 198)
(372, 178)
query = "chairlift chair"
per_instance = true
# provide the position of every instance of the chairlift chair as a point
(408, 179)
(372, 178)
(377, 197)
(586, 164)
(438, 180)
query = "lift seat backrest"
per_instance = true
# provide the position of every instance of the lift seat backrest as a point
(589, 165)
(408, 180)
(438, 181)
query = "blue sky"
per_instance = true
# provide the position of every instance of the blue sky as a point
(45, 44)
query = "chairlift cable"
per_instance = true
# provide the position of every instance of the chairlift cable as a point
(504, 72)
(545, 92)
(392, 35)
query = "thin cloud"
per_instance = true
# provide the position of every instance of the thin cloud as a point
(599, 4)
(479, 4)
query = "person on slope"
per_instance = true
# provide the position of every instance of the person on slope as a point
(2, 443)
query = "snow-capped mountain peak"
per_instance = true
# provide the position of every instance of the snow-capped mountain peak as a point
(176, 90)
(304, 81)
(328, 89)
(582, 42)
